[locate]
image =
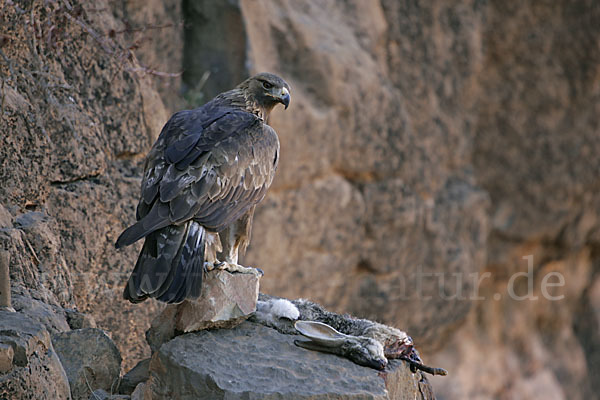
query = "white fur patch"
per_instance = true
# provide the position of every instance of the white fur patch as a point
(282, 308)
(270, 311)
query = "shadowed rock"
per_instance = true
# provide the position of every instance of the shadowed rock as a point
(134, 377)
(138, 393)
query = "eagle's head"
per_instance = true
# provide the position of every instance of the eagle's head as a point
(267, 90)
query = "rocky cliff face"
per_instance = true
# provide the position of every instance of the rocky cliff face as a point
(77, 119)
(427, 150)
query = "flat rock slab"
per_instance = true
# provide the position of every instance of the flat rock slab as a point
(252, 361)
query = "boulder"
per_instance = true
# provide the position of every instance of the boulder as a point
(30, 368)
(162, 328)
(252, 361)
(91, 360)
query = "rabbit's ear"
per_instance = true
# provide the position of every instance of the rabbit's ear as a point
(325, 347)
(320, 333)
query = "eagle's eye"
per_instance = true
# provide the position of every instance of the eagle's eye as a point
(267, 85)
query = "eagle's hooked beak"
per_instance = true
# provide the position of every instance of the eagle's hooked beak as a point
(284, 97)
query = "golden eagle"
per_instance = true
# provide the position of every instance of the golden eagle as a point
(204, 175)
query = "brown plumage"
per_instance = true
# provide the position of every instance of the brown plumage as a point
(205, 174)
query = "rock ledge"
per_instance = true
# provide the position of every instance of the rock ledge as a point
(252, 361)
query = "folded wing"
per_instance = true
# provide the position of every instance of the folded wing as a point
(208, 165)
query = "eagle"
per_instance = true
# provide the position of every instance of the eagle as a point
(203, 178)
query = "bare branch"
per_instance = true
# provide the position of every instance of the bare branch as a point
(129, 29)
(150, 71)
(92, 33)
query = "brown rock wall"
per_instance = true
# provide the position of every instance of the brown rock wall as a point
(76, 119)
(376, 178)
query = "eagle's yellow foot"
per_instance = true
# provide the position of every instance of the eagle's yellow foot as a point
(232, 267)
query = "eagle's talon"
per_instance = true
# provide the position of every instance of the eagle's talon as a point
(209, 266)
(236, 268)
(221, 265)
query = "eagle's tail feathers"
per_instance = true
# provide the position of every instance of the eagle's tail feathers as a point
(188, 267)
(175, 273)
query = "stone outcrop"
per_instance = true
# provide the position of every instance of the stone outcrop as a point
(252, 361)
(226, 300)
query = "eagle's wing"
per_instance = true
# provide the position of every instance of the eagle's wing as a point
(210, 165)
